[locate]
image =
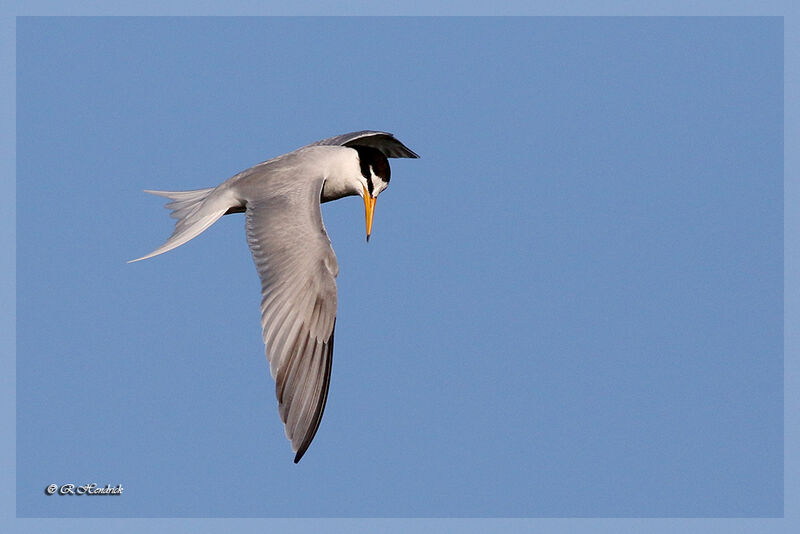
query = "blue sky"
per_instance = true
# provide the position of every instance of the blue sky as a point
(571, 305)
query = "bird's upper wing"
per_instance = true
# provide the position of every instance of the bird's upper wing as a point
(297, 266)
(383, 141)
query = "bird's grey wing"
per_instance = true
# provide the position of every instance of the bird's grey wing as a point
(383, 141)
(297, 266)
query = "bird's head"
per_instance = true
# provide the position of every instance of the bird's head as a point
(375, 175)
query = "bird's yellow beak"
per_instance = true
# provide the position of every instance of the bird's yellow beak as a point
(369, 210)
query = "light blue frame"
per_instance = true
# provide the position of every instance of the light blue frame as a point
(788, 10)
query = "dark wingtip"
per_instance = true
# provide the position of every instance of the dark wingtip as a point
(322, 400)
(367, 238)
(405, 152)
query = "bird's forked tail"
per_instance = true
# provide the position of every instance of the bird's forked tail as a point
(195, 210)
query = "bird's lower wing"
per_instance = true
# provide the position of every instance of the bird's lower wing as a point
(297, 267)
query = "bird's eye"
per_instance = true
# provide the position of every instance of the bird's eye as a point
(369, 182)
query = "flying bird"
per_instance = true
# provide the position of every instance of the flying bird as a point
(293, 255)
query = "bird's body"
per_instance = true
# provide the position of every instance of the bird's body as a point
(293, 255)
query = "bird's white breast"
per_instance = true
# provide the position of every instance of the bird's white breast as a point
(342, 173)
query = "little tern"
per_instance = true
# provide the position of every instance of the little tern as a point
(293, 255)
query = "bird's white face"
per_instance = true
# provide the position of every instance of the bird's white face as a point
(374, 178)
(371, 197)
